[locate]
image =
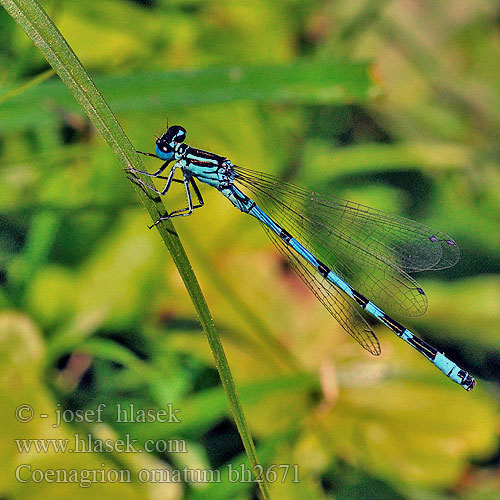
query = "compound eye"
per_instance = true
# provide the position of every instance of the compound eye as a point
(163, 151)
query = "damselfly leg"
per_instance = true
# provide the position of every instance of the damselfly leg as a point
(186, 180)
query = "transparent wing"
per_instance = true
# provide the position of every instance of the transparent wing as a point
(369, 249)
(335, 303)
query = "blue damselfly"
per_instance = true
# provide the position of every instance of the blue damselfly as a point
(346, 253)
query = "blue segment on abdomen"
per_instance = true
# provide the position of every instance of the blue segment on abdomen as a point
(300, 249)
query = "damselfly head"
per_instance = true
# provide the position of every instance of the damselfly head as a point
(167, 143)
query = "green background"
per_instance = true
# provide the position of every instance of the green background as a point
(391, 104)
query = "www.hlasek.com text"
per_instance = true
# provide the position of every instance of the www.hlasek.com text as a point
(88, 443)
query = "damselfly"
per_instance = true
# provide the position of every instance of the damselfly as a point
(347, 254)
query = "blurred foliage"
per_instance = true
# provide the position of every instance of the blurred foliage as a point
(392, 104)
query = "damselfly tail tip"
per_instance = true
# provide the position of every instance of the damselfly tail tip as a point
(468, 382)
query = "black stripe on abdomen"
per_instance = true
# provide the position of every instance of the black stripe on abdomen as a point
(427, 350)
(393, 324)
(285, 236)
(323, 269)
(360, 299)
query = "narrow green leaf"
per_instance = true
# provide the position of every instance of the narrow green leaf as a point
(33, 82)
(301, 82)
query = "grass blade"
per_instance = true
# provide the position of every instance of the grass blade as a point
(305, 82)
